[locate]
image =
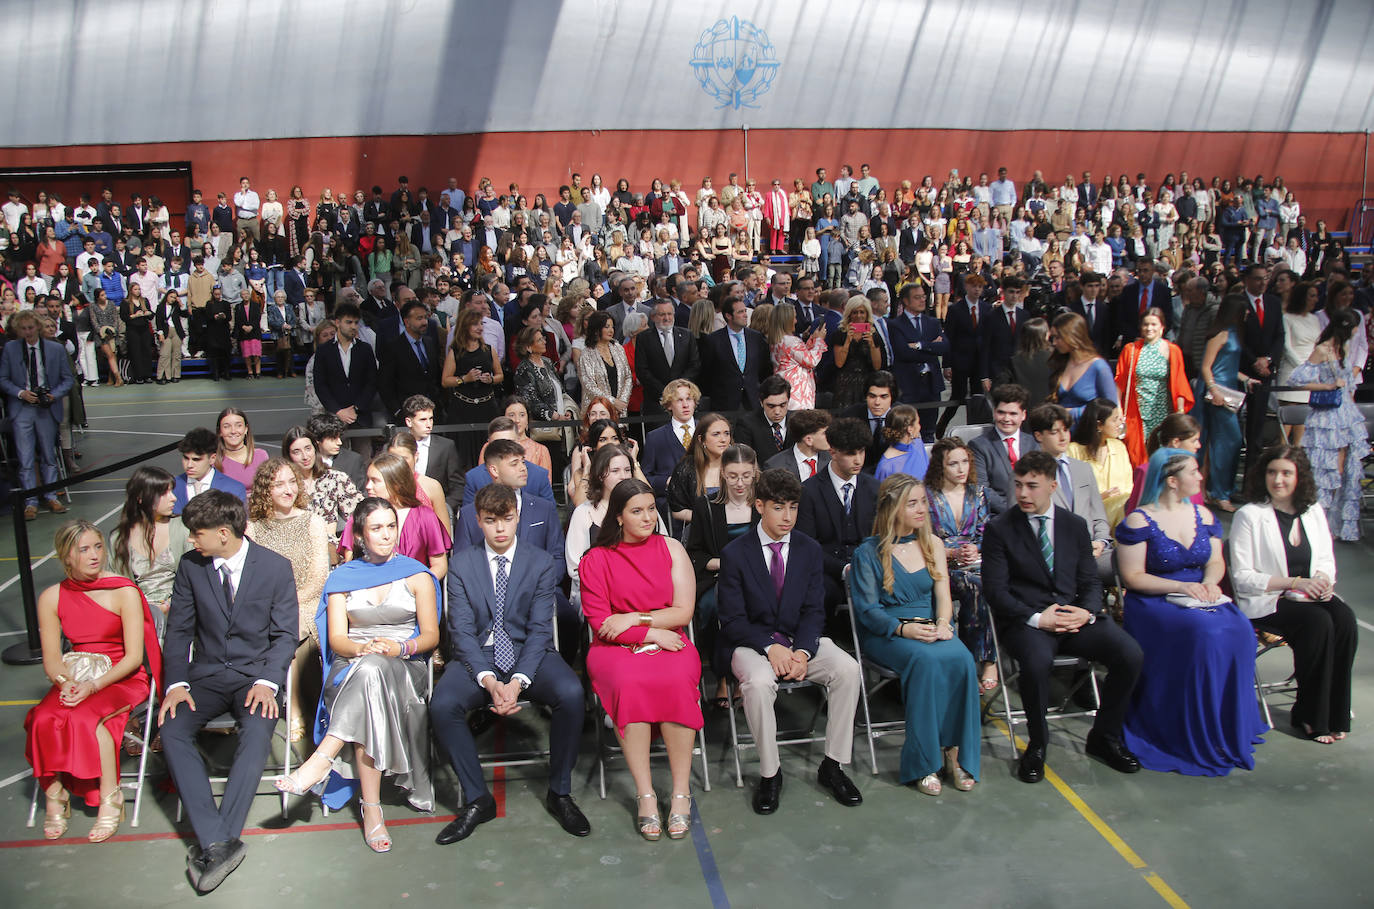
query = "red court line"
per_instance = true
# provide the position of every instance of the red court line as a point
(498, 783)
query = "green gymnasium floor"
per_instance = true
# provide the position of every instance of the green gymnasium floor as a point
(1294, 831)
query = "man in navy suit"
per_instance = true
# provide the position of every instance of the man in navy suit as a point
(999, 338)
(346, 371)
(478, 477)
(198, 448)
(809, 453)
(765, 430)
(500, 622)
(735, 358)
(996, 451)
(294, 281)
(411, 362)
(1041, 580)
(1095, 310)
(876, 412)
(772, 614)
(35, 377)
(236, 602)
(839, 503)
(1145, 292)
(665, 446)
(964, 327)
(1260, 351)
(918, 342)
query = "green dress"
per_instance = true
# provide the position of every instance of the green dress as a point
(1152, 385)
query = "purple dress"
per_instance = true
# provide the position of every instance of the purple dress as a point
(236, 471)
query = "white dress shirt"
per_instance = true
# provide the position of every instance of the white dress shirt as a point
(509, 555)
(804, 469)
(839, 484)
(422, 455)
(196, 487)
(235, 565)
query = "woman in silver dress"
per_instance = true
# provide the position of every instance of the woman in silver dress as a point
(383, 620)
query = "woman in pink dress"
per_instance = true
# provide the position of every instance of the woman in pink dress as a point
(421, 536)
(641, 665)
(794, 359)
(237, 459)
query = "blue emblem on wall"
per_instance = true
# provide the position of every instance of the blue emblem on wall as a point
(735, 62)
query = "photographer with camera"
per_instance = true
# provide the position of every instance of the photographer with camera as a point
(35, 376)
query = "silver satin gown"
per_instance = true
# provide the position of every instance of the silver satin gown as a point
(379, 704)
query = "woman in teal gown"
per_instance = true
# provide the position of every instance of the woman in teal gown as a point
(900, 587)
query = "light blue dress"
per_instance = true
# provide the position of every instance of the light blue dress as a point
(1221, 426)
(913, 461)
(1329, 430)
(1097, 381)
(939, 681)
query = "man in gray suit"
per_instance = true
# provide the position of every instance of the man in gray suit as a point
(1077, 487)
(236, 601)
(626, 292)
(809, 453)
(995, 452)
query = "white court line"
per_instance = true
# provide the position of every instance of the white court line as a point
(1365, 625)
(131, 432)
(195, 413)
(10, 634)
(16, 778)
(100, 520)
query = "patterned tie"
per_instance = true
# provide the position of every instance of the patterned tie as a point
(1046, 547)
(500, 639)
(847, 489)
(1088, 311)
(775, 569)
(1064, 482)
(686, 436)
(811, 466)
(739, 350)
(777, 434)
(420, 353)
(667, 345)
(1011, 450)
(226, 578)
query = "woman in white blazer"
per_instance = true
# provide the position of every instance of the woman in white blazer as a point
(1283, 573)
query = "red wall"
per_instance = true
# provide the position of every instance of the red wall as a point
(1324, 169)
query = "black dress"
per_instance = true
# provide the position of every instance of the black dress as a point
(138, 339)
(472, 402)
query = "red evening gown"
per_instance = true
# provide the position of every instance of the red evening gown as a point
(637, 687)
(61, 740)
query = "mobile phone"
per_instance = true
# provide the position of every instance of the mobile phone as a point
(862, 328)
(919, 621)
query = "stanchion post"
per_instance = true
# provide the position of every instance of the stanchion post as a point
(28, 651)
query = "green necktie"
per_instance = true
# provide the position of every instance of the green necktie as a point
(1046, 547)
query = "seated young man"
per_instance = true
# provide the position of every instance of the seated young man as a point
(772, 613)
(1076, 488)
(327, 432)
(809, 453)
(995, 451)
(765, 430)
(236, 601)
(198, 448)
(665, 446)
(479, 476)
(1040, 578)
(436, 457)
(500, 623)
(839, 503)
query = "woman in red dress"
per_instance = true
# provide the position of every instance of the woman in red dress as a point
(638, 593)
(75, 731)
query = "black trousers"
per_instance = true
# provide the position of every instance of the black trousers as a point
(1256, 417)
(139, 342)
(457, 693)
(963, 384)
(1323, 637)
(1102, 642)
(214, 696)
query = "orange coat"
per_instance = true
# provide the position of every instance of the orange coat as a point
(1125, 386)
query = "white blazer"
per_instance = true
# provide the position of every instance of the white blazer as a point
(1256, 554)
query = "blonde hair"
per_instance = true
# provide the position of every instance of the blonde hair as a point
(856, 302)
(68, 535)
(892, 496)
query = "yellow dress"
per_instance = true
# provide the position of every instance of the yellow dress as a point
(1112, 469)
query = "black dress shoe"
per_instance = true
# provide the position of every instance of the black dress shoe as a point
(832, 776)
(219, 859)
(766, 796)
(479, 721)
(568, 815)
(469, 816)
(195, 864)
(1112, 752)
(1031, 767)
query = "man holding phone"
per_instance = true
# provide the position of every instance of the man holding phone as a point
(1041, 580)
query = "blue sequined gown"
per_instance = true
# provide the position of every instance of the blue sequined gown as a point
(1194, 709)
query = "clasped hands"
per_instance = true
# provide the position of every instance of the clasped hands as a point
(1064, 619)
(788, 665)
(504, 695)
(616, 625)
(1316, 588)
(925, 632)
(72, 693)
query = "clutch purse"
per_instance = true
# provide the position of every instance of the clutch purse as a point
(1325, 399)
(86, 667)
(1187, 602)
(1231, 398)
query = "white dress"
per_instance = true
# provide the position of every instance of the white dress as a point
(1300, 333)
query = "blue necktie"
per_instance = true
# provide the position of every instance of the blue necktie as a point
(739, 350)
(1065, 482)
(848, 489)
(420, 353)
(500, 639)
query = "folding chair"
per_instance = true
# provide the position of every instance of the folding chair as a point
(969, 432)
(605, 750)
(517, 758)
(1009, 671)
(1291, 415)
(132, 780)
(872, 730)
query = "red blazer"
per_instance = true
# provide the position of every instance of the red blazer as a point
(1125, 386)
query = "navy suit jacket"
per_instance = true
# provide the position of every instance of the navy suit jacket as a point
(14, 374)
(660, 457)
(528, 608)
(1016, 580)
(401, 375)
(750, 610)
(918, 372)
(336, 390)
(821, 517)
(728, 388)
(253, 639)
(965, 341)
(1103, 323)
(999, 344)
(1127, 321)
(537, 482)
(218, 481)
(539, 527)
(294, 284)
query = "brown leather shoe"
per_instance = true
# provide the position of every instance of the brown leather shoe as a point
(30, 512)
(54, 506)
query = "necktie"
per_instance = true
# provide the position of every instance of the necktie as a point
(226, 579)
(847, 489)
(739, 350)
(777, 434)
(1011, 321)
(686, 436)
(1011, 451)
(420, 353)
(877, 425)
(811, 466)
(1259, 311)
(668, 346)
(504, 650)
(881, 325)
(1064, 482)
(1144, 298)
(196, 489)
(1046, 547)
(973, 311)
(1088, 309)
(33, 368)
(775, 569)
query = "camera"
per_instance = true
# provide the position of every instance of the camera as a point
(44, 395)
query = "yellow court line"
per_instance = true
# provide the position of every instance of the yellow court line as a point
(1113, 839)
(17, 703)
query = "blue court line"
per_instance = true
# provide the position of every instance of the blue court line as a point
(714, 885)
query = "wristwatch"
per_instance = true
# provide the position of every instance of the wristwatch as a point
(524, 683)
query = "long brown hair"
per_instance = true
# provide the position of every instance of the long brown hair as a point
(892, 496)
(697, 450)
(611, 533)
(1072, 329)
(398, 478)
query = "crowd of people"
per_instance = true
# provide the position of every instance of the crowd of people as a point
(802, 465)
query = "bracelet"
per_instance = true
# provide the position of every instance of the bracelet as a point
(645, 619)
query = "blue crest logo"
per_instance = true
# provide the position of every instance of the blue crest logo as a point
(735, 62)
